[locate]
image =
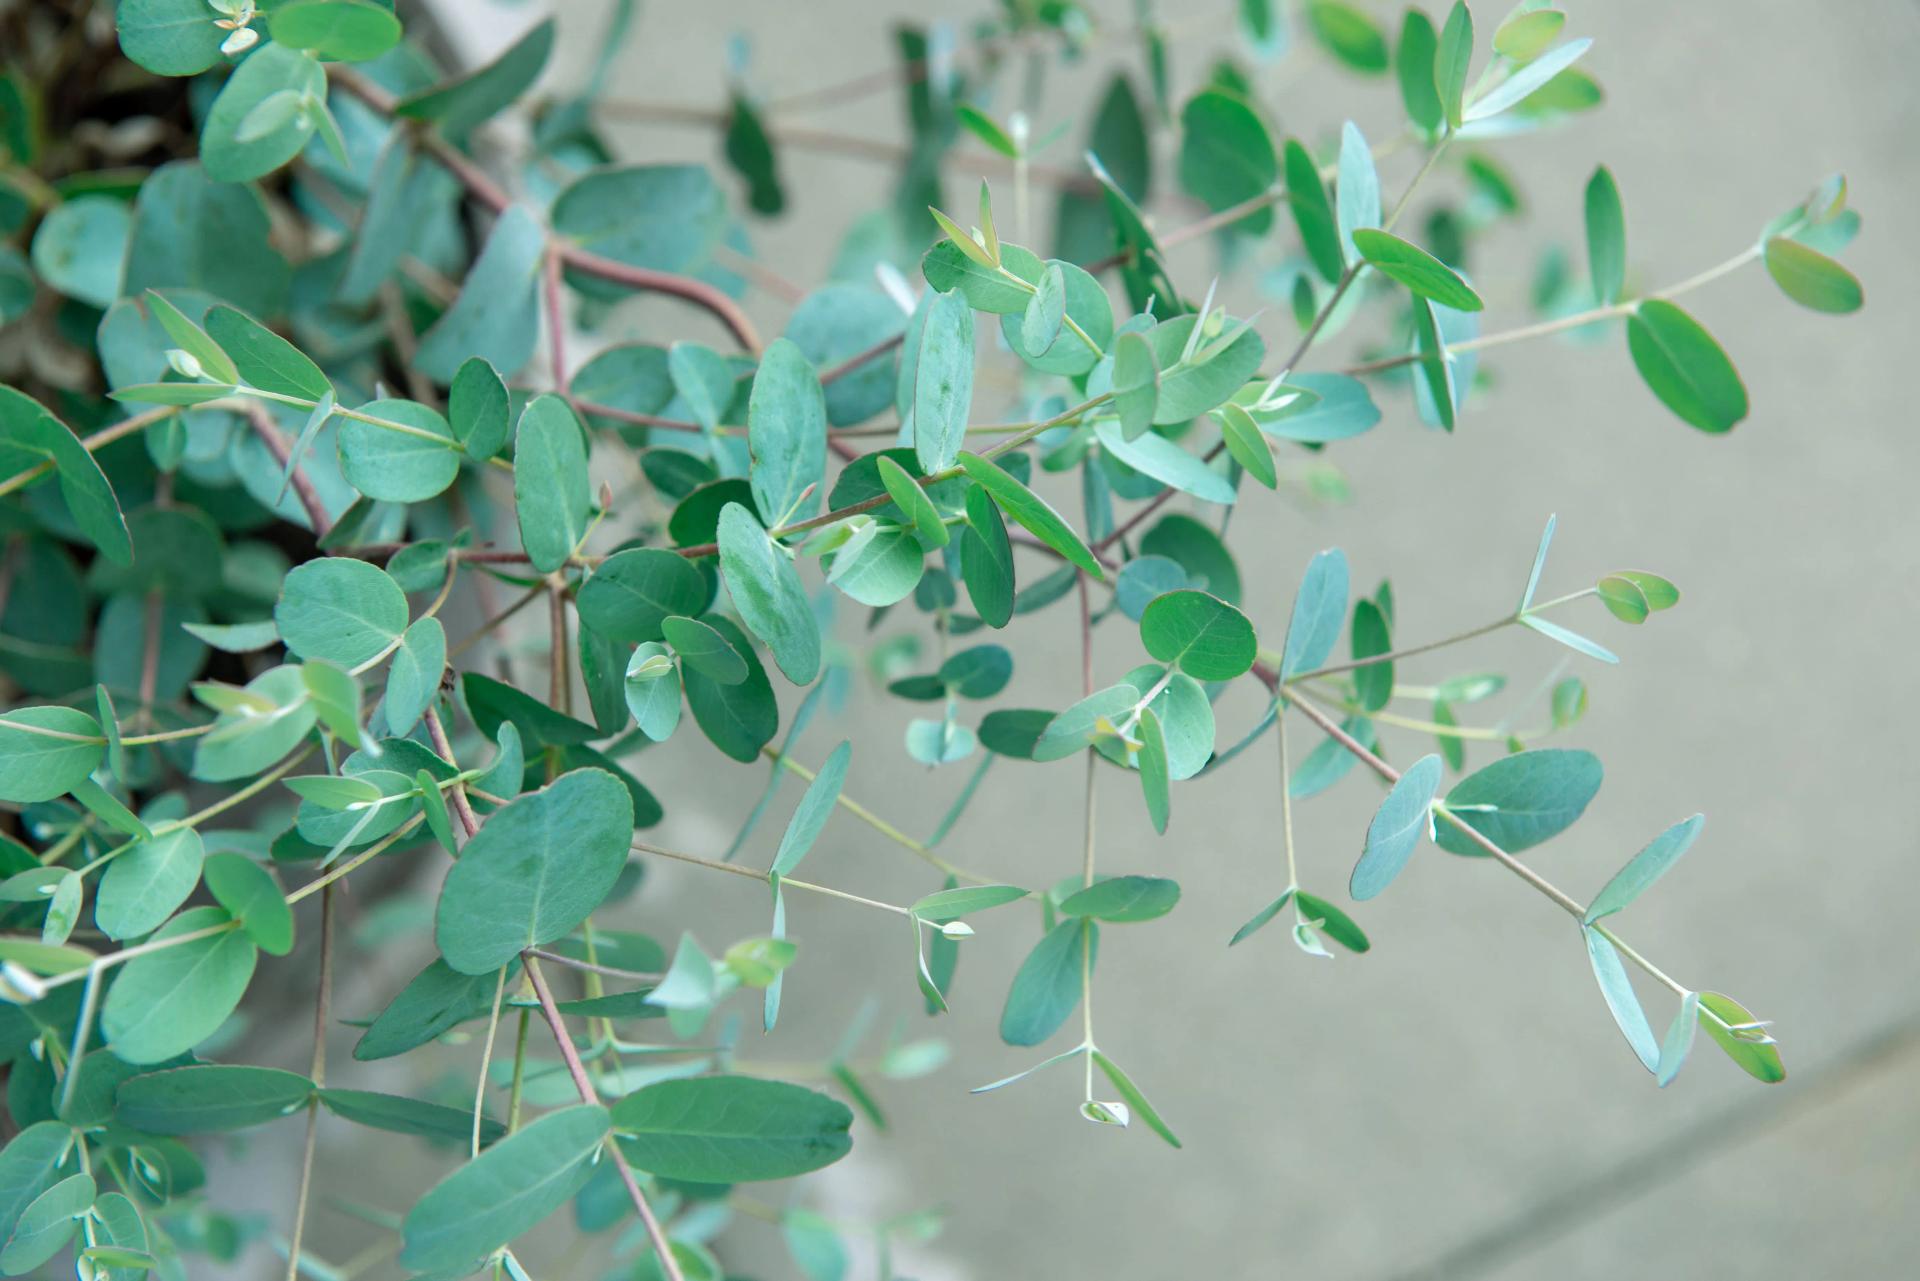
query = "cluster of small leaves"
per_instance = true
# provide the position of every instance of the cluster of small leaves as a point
(230, 544)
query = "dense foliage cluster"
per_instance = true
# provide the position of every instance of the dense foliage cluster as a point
(293, 321)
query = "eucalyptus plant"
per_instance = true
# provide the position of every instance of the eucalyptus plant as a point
(311, 340)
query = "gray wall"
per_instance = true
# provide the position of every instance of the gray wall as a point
(1458, 1099)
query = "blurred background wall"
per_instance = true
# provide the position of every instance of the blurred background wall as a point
(1456, 1103)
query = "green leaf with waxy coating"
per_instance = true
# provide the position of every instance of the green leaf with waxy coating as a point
(144, 885)
(787, 434)
(169, 37)
(738, 719)
(1030, 510)
(1192, 382)
(1319, 608)
(164, 1003)
(552, 494)
(503, 1192)
(1152, 764)
(413, 678)
(465, 101)
(1571, 639)
(1357, 197)
(911, 498)
(704, 649)
(1155, 456)
(1130, 1093)
(1204, 636)
(1644, 868)
(952, 904)
(1452, 63)
(47, 1224)
(32, 436)
(1625, 1007)
(1539, 564)
(1413, 64)
(236, 145)
(731, 1129)
(79, 246)
(209, 1098)
(1521, 800)
(652, 689)
(340, 609)
(1372, 682)
(398, 466)
(1227, 156)
(29, 1165)
(399, 1115)
(263, 358)
(336, 30)
(1632, 594)
(1396, 829)
(1526, 81)
(1312, 211)
(1333, 922)
(1136, 384)
(1742, 1037)
(943, 382)
(633, 592)
(1349, 34)
(1415, 268)
(1812, 279)
(1123, 899)
(434, 1002)
(1678, 1042)
(1682, 365)
(1261, 918)
(986, 559)
(1074, 729)
(253, 898)
(1434, 366)
(1046, 311)
(765, 587)
(811, 814)
(535, 870)
(1606, 237)
(479, 410)
(43, 766)
(1047, 987)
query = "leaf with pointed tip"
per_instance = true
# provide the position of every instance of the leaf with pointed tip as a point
(1682, 365)
(1811, 278)
(1134, 1098)
(1319, 608)
(1743, 1037)
(1047, 987)
(1453, 61)
(811, 815)
(504, 1191)
(1312, 211)
(1571, 639)
(1606, 237)
(1611, 975)
(1644, 868)
(1030, 510)
(1152, 763)
(1415, 268)
(766, 589)
(1261, 918)
(1357, 197)
(1526, 81)
(731, 1129)
(1397, 826)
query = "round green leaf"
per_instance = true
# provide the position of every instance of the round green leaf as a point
(1204, 636)
(336, 30)
(79, 246)
(340, 609)
(534, 871)
(42, 766)
(235, 144)
(145, 885)
(398, 466)
(1521, 800)
(166, 1002)
(253, 898)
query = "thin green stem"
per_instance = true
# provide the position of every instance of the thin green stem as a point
(1561, 324)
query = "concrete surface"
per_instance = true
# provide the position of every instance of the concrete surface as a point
(1458, 1099)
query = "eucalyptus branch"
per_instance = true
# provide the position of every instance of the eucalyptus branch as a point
(489, 193)
(1561, 324)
